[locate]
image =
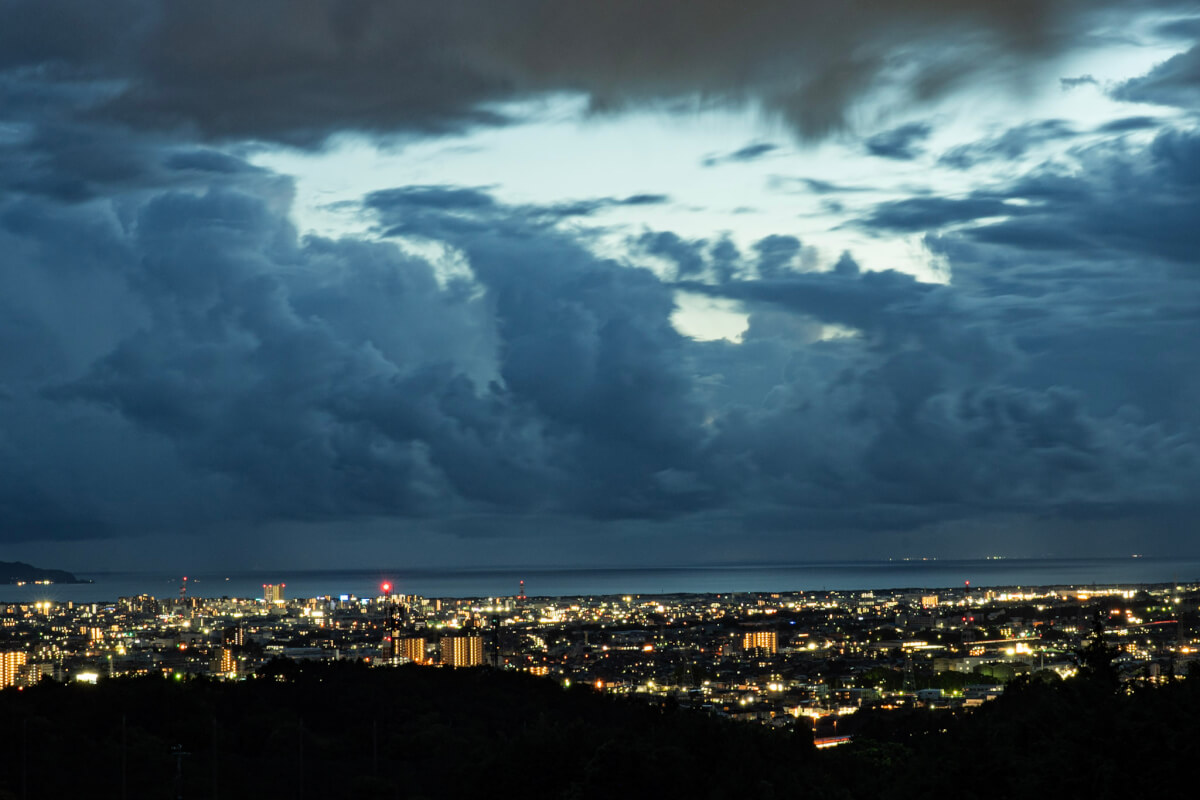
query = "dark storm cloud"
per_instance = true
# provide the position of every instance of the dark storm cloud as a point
(51, 147)
(1121, 204)
(268, 380)
(776, 254)
(846, 265)
(1111, 236)
(1012, 144)
(924, 213)
(299, 70)
(586, 208)
(589, 347)
(1075, 83)
(208, 161)
(1175, 82)
(751, 152)
(329, 380)
(174, 357)
(472, 206)
(781, 182)
(687, 256)
(902, 143)
(433, 197)
(938, 408)
(1185, 28)
(857, 301)
(1127, 124)
(245, 374)
(1056, 373)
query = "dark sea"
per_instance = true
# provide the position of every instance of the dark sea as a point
(558, 582)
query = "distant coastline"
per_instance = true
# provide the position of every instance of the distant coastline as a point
(646, 580)
(19, 573)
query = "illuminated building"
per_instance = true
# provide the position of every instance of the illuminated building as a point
(273, 593)
(462, 651)
(32, 674)
(10, 668)
(929, 601)
(765, 642)
(224, 663)
(412, 648)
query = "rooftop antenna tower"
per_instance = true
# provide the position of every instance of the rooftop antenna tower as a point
(521, 591)
(393, 623)
(183, 590)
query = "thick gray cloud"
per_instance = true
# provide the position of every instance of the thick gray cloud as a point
(1074, 83)
(776, 254)
(1128, 124)
(298, 70)
(1175, 82)
(751, 152)
(228, 371)
(1114, 202)
(687, 256)
(925, 213)
(1012, 144)
(902, 143)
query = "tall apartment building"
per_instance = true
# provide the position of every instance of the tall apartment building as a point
(10, 668)
(411, 648)
(462, 651)
(766, 642)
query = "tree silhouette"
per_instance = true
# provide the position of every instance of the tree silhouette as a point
(1096, 657)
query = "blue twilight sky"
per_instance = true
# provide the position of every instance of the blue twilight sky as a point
(328, 282)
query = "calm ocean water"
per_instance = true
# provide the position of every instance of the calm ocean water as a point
(657, 580)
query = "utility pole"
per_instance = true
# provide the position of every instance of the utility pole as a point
(124, 760)
(214, 758)
(179, 754)
(25, 759)
(300, 760)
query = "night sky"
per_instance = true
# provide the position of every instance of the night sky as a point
(503, 282)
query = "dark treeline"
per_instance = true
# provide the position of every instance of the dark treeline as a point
(345, 731)
(1076, 738)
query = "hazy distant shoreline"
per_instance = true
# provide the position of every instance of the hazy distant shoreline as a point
(575, 581)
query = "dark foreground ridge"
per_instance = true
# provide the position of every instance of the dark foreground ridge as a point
(342, 730)
(20, 572)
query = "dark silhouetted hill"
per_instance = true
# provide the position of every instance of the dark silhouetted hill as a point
(17, 571)
(345, 731)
